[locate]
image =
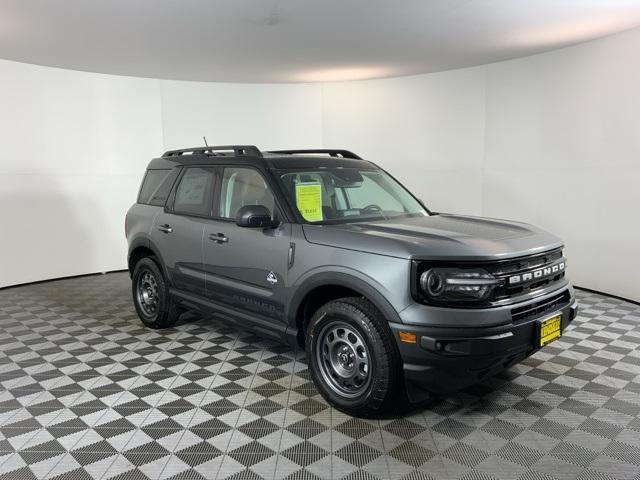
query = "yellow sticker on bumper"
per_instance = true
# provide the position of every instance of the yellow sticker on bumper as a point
(550, 330)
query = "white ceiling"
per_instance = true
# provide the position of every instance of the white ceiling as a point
(296, 40)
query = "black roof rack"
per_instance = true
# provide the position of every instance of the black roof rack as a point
(238, 150)
(331, 152)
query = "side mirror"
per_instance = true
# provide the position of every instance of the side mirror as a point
(255, 216)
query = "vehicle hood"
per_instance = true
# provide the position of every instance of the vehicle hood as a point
(437, 237)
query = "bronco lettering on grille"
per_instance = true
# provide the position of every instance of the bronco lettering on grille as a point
(536, 274)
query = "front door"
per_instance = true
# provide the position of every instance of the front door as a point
(178, 231)
(246, 267)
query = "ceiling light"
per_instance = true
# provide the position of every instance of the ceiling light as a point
(571, 31)
(343, 74)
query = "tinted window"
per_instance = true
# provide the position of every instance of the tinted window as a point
(370, 191)
(159, 197)
(152, 180)
(194, 192)
(343, 195)
(240, 187)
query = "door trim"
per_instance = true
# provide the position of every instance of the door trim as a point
(238, 285)
(276, 330)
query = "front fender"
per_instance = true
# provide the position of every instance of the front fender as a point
(342, 279)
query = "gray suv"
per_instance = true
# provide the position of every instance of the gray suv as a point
(329, 253)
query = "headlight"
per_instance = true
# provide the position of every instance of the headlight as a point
(457, 284)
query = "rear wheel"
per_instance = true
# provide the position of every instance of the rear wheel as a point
(151, 296)
(353, 358)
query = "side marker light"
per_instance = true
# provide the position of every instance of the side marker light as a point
(408, 337)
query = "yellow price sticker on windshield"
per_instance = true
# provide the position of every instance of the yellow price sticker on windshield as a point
(309, 201)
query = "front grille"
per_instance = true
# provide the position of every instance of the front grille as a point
(535, 309)
(507, 268)
(505, 293)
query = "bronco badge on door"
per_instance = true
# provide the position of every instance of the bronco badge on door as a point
(272, 278)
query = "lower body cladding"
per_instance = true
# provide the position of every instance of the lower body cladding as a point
(445, 359)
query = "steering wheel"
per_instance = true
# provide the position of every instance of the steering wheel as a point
(371, 208)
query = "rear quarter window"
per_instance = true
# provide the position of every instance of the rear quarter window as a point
(156, 186)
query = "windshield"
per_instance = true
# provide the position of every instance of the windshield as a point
(344, 195)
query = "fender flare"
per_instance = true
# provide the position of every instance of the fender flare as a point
(143, 241)
(343, 280)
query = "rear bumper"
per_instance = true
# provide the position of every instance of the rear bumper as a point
(445, 359)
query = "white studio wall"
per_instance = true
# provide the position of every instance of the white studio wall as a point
(563, 152)
(426, 130)
(269, 116)
(552, 139)
(74, 146)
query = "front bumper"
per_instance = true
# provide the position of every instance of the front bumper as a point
(445, 359)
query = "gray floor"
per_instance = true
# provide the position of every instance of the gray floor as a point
(87, 392)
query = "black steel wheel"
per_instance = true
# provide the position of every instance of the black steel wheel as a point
(343, 359)
(151, 297)
(147, 293)
(353, 358)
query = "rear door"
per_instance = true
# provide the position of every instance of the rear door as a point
(246, 267)
(178, 230)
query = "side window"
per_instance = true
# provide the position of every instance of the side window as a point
(194, 192)
(243, 186)
(151, 182)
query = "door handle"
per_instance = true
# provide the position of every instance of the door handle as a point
(219, 237)
(165, 228)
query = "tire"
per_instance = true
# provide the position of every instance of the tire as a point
(151, 298)
(349, 337)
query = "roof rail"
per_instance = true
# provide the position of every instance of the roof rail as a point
(238, 150)
(327, 151)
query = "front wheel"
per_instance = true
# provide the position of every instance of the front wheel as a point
(353, 358)
(151, 297)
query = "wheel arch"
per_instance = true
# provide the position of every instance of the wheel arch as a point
(324, 287)
(144, 247)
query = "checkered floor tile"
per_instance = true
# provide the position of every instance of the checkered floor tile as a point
(88, 392)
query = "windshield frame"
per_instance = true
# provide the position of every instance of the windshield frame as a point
(279, 172)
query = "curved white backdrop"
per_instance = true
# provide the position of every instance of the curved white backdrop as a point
(552, 139)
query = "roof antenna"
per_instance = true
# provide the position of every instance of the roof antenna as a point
(205, 141)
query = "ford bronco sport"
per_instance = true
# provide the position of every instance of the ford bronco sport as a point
(328, 252)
